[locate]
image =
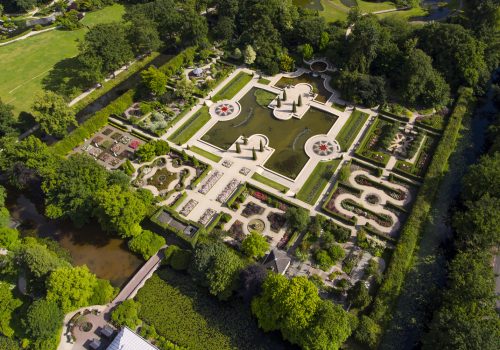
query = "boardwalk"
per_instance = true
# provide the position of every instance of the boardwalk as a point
(138, 280)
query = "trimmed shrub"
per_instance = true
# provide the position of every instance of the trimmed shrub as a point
(180, 259)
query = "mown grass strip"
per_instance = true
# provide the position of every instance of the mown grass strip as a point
(270, 182)
(317, 181)
(190, 127)
(206, 154)
(232, 88)
(351, 129)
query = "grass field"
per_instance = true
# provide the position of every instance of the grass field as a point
(232, 88)
(269, 182)
(29, 61)
(190, 127)
(205, 154)
(335, 10)
(316, 182)
(351, 129)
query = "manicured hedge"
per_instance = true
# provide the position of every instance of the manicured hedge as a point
(402, 257)
(169, 229)
(93, 124)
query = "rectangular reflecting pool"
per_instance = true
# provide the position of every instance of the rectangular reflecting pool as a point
(286, 137)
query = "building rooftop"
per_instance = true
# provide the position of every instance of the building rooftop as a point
(126, 339)
(277, 261)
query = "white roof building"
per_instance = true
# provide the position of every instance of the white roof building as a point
(126, 339)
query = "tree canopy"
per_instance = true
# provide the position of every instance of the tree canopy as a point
(53, 114)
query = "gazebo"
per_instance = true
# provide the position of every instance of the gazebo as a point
(198, 72)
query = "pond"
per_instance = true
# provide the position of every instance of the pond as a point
(286, 137)
(309, 4)
(107, 257)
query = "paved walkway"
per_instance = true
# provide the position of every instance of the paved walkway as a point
(27, 35)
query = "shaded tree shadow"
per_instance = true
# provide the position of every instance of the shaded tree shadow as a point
(64, 78)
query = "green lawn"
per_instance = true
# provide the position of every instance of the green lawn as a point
(335, 10)
(269, 182)
(29, 61)
(314, 185)
(232, 88)
(205, 154)
(351, 129)
(189, 128)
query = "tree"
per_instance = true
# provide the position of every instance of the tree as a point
(454, 52)
(217, 267)
(323, 41)
(53, 114)
(38, 259)
(421, 84)
(9, 238)
(238, 147)
(121, 210)
(155, 80)
(358, 296)
(143, 36)
(146, 152)
(107, 47)
(294, 107)
(254, 154)
(103, 293)
(26, 161)
(255, 245)
(286, 305)
(261, 145)
(7, 120)
(249, 55)
(287, 63)
(8, 344)
(362, 89)
(8, 305)
(477, 227)
(329, 329)
(71, 190)
(224, 30)
(278, 102)
(482, 178)
(284, 95)
(146, 243)
(43, 320)
(298, 218)
(368, 332)
(307, 51)
(71, 287)
(237, 54)
(252, 277)
(184, 89)
(299, 102)
(126, 314)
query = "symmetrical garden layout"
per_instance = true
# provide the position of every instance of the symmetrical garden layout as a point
(258, 146)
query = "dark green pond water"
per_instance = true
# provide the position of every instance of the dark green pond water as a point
(105, 256)
(286, 137)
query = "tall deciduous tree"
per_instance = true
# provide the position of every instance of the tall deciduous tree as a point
(71, 287)
(255, 245)
(44, 319)
(70, 191)
(106, 47)
(7, 120)
(119, 210)
(53, 114)
(249, 55)
(155, 80)
(8, 304)
(143, 36)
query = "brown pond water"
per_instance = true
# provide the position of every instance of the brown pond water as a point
(105, 256)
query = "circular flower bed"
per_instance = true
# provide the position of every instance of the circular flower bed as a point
(224, 109)
(323, 148)
(256, 225)
(86, 326)
(372, 199)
